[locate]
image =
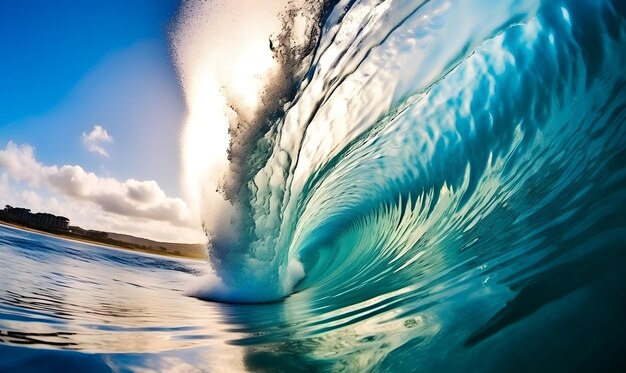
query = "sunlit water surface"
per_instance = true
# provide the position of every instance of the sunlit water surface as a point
(69, 305)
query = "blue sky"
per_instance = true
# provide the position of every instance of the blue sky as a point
(69, 68)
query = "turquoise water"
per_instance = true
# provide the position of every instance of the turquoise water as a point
(69, 306)
(444, 192)
(429, 133)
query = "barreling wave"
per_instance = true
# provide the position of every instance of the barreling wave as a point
(428, 141)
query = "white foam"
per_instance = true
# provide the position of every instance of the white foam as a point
(222, 54)
(258, 286)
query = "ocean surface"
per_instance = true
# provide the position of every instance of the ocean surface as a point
(444, 189)
(71, 306)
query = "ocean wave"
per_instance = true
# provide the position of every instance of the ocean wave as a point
(435, 140)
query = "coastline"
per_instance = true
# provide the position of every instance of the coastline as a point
(96, 243)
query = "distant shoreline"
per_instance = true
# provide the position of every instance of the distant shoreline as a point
(95, 242)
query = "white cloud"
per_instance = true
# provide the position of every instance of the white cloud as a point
(31, 198)
(93, 140)
(4, 186)
(128, 206)
(20, 164)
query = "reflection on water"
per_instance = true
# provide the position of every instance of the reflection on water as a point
(72, 306)
(67, 295)
(71, 302)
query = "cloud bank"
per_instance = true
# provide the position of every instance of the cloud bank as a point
(130, 206)
(93, 140)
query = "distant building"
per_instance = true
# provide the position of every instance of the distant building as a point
(42, 220)
(19, 213)
(49, 220)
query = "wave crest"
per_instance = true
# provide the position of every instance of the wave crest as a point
(404, 141)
